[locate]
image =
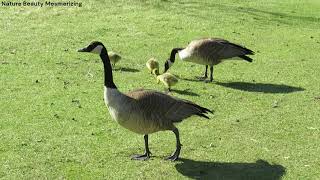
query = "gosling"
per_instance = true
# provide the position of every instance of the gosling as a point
(167, 79)
(114, 58)
(152, 64)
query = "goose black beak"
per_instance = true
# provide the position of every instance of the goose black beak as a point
(83, 50)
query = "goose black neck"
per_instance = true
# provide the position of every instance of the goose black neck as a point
(108, 79)
(173, 53)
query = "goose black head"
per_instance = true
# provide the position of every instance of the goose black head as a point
(167, 65)
(171, 60)
(94, 47)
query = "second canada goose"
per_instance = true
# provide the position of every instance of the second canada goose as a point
(152, 64)
(209, 52)
(114, 57)
(167, 79)
(144, 111)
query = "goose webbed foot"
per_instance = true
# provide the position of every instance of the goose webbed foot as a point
(205, 75)
(147, 152)
(175, 155)
(142, 157)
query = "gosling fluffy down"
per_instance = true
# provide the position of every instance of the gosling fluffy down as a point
(114, 57)
(152, 64)
(167, 79)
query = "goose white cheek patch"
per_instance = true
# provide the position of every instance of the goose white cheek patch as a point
(97, 49)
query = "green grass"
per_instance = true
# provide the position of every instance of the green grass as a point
(54, 124)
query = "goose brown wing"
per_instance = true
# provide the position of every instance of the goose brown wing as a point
(163, 109)
(220, 49)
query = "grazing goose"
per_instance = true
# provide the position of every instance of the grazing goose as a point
(114, 57)
(152, 64)
(209, 52)
(167, 79)
(144, 111)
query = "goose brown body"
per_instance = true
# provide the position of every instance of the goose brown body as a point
(212, 51)
(148, 111)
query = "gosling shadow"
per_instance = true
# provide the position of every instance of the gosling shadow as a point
(125, 69)
(259, 170)
(260, 87)
(185, 92)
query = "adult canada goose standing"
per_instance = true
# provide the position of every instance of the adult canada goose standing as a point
(209, 52)
(144, 111)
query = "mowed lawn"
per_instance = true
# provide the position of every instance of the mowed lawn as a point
(266, 125)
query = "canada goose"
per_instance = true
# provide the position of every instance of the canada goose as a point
(144, 111)
(152, 64)
(114, 57)
(209, 52)
(167, 79)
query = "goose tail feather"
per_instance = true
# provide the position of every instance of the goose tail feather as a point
(202, 115)
(244, 49)
(246, 58)
(202, 110)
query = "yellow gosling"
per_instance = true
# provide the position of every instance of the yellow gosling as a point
(152, 64)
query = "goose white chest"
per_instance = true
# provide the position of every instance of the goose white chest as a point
(114, 100)
(187, 55)
(121, 110)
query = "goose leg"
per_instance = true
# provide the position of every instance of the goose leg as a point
(205, 75)
(147, 152)
(211, 73)
(176, 154)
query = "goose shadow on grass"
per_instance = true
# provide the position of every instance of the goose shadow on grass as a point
(126, 69)
(196, 79)
(259, 170)
(184, 92)
(279, 16)
(261, 87)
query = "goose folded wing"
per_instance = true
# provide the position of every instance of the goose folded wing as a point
(221, 49)
(162, 108)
